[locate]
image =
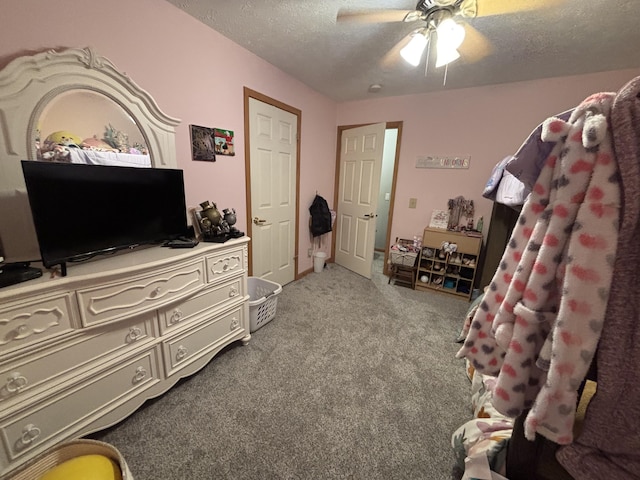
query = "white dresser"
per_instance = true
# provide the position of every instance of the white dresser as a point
(82, 352)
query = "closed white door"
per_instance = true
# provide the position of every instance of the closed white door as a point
(273, 173)
(361, 153)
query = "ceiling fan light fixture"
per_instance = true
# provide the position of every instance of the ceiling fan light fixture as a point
(450, 33)
(445, 55)
(412, 52)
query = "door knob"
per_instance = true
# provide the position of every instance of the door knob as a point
(261, 222)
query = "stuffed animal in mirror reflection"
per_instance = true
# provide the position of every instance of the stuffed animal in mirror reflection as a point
(216, 227)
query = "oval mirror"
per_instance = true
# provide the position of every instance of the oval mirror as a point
(84, 126)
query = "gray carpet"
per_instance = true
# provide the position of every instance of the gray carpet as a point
(354, 378)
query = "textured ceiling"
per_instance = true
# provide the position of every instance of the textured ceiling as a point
(341, 60)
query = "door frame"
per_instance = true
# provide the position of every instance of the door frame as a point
(249, 93)
(388, 126)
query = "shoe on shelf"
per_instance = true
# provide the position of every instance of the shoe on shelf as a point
(437, 280)
(472, 262)
(441, 255)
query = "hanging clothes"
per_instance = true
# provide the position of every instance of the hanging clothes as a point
(538, 326)
(609, 445)
(529, 159)
(503, 187)
(320, 222)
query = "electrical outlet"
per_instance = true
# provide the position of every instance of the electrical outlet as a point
(310, 252)
(413, 202)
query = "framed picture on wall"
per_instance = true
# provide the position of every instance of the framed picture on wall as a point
(202, 143)
(224, 142)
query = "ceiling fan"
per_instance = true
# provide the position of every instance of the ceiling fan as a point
(441, 19)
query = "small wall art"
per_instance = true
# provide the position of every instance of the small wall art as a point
(203, 145)
(429, 161)
(224, 142)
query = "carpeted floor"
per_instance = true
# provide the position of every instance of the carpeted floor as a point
(354, 378)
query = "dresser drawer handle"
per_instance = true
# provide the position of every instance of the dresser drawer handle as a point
(181, 353)
(29, 434)
(233, 291)
(225, 267)
(234, 323)
(155, 292)
(135, 333)
(16, 382)
(20, 331)
(176, 316)
(140, 374)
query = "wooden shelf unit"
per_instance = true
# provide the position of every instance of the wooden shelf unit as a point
(452, 273)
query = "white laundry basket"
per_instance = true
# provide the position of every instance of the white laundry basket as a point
(263, 300)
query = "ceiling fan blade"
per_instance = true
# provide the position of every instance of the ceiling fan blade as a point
(475, 46)
(485, 8)
(376, 15)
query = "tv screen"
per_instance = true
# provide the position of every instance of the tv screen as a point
(80, 211)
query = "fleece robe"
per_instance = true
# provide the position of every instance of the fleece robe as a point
(539, 325)
(609, 445)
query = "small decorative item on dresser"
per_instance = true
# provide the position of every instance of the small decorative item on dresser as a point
(439, 219)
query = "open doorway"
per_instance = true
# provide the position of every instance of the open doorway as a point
(387, 190)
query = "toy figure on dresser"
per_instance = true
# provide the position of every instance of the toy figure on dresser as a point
(230, 218)
(215, 227)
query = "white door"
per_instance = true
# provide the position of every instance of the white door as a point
(361, 152)
(273, 162)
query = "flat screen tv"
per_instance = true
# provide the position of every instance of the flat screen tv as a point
(81, 211)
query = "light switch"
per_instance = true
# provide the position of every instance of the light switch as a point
(413, 202)
(387, 196)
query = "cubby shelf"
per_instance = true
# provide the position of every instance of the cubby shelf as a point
(452, 273)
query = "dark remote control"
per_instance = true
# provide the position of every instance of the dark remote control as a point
(181, 243)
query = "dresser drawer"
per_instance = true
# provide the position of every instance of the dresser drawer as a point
(29, 322)
(201, 304)
(183, 349)
(49, 367)
(62, 415)
(131, 296)
(226, 263)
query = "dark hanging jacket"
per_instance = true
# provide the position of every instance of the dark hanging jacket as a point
(320, 216)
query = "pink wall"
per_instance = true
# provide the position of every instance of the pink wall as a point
(487, 123)
(194, 74)
(197, 75)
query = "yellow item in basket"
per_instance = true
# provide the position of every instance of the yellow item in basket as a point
(85, 467)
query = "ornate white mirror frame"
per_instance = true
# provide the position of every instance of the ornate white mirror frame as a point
(27, 85)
